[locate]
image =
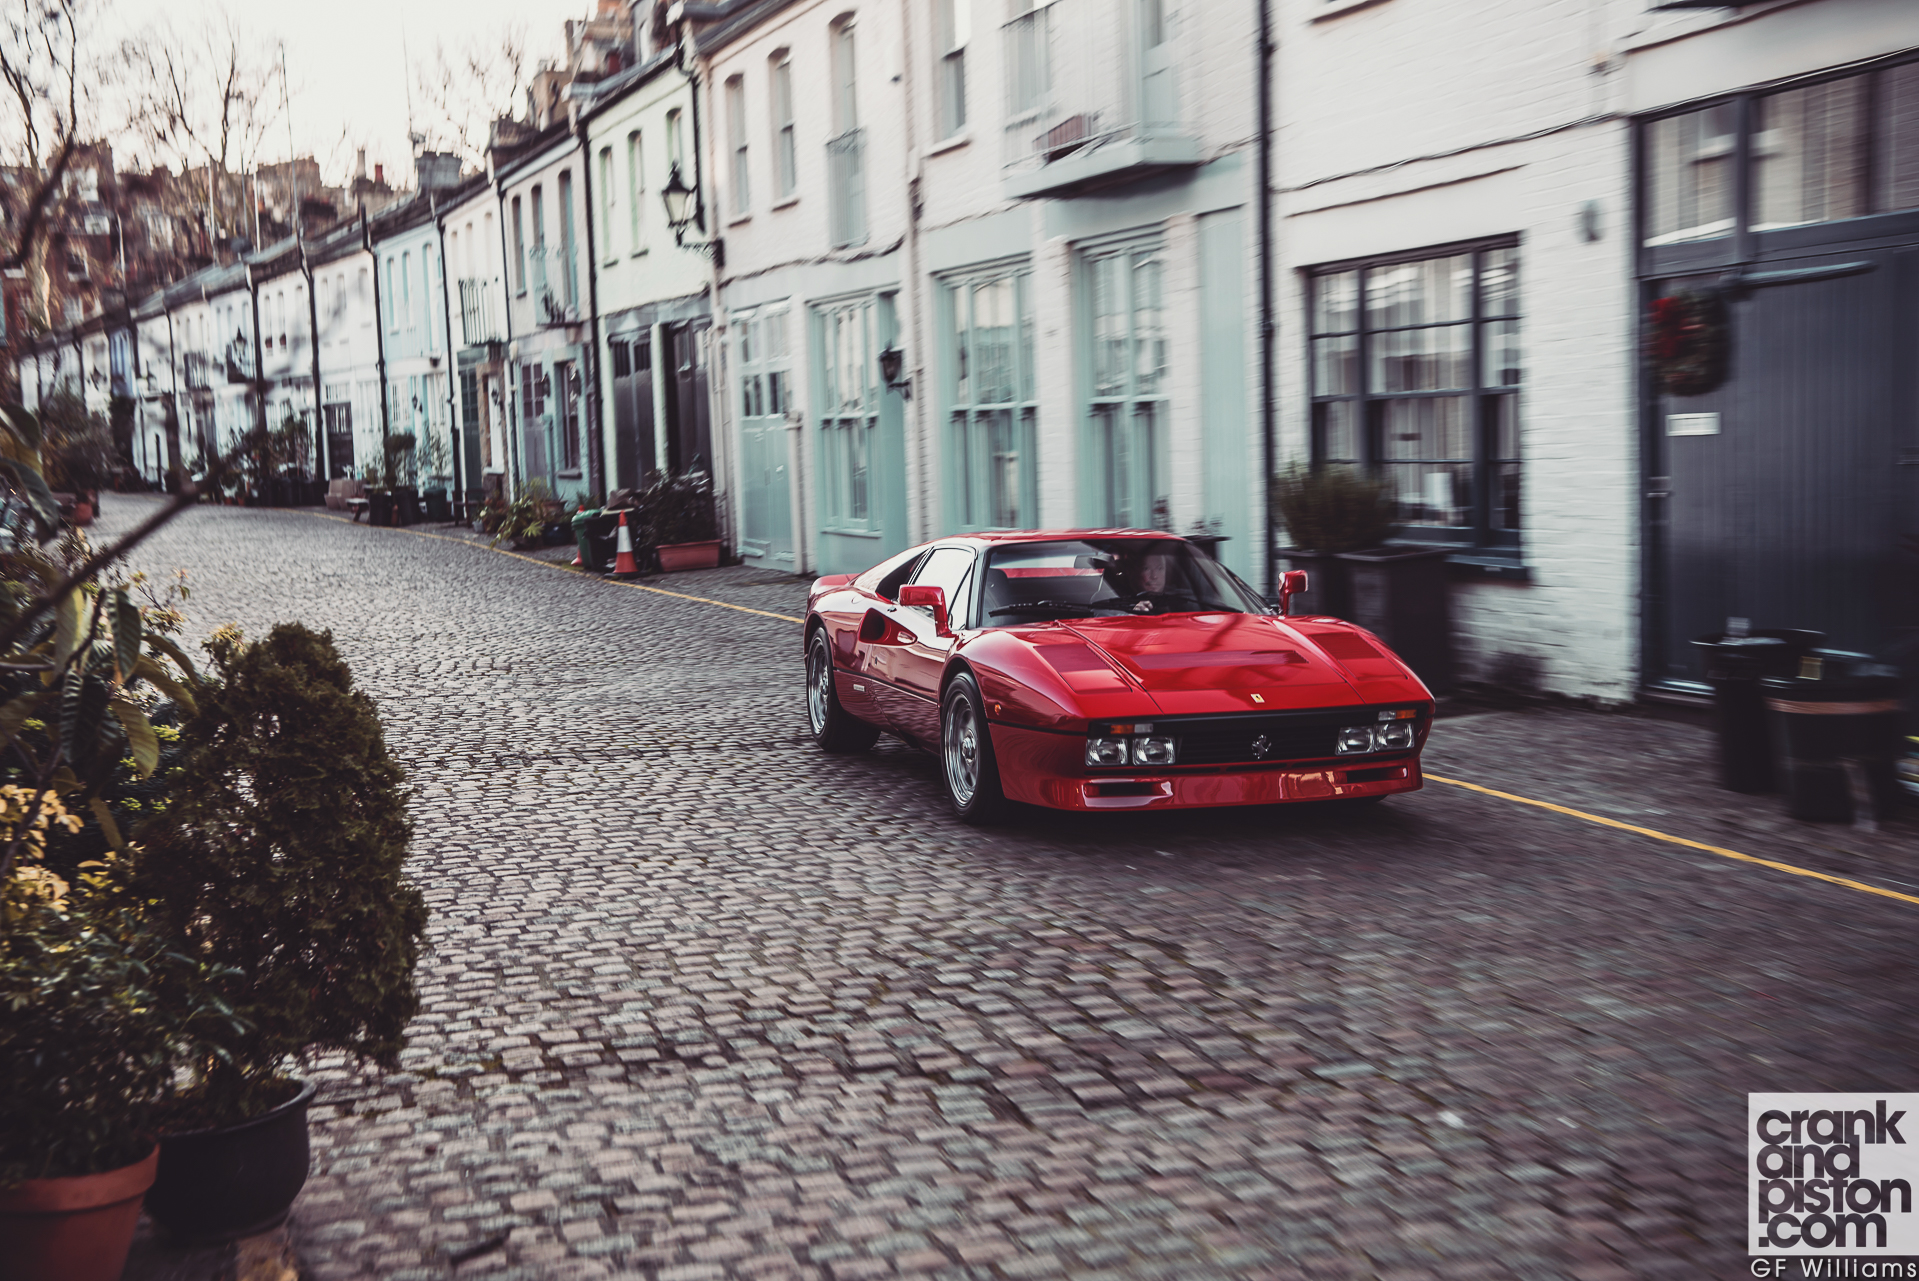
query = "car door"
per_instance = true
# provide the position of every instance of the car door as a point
(864, 632)
(918, 659)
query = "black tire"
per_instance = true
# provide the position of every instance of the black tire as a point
(834, 728)
(969, 773)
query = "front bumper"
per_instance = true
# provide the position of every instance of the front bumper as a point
(1042, 768)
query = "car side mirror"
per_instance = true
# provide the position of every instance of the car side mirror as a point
(923, 596)
(1292, 582)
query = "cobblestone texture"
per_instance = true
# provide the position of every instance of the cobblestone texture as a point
(702, 1003)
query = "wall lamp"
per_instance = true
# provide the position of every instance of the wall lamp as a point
(683, 209)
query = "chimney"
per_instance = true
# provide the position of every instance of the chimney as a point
(379, 175)
(359, 170)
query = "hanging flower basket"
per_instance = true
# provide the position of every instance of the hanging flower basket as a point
(1686, 342)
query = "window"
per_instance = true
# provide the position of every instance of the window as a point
(519, 249)
(786, 163)
(392, 296)
(849, 413)
(406, 289)
(1415, 376)
(846, 213)
(764, 364)
(951, 570)
(1847, 147)
(635, 187)
(736, 139)
(566, 383)
(675, 148)
(992, 405)
(1127, 411)
(608, 202)
(953, 20)
(569, 280)
(427, 294)
(1028, 59)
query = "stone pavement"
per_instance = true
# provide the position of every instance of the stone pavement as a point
(703, 1003)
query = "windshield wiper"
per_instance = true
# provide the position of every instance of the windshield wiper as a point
(1040, 606)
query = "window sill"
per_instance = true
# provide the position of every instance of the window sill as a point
(787, 203)
(850, 533)
(638, 253)
(737, 219)
(1489, 563)
(1339, 8)
(953, 143)
(568, 475)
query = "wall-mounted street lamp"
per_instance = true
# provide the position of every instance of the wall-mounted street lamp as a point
(683, 209)
(892, 367)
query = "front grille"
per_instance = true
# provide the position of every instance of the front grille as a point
(1289, 736)
(1230, 744)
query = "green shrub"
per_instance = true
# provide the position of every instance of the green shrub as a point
(1333, 509)
(280, 856)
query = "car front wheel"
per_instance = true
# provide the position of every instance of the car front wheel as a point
(967, 765)
(834, 728)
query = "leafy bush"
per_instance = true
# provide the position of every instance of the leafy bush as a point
(399, 459)
(525, 518)
(280, 858)
(87, 1048)
(1333, 509)
(77, 446)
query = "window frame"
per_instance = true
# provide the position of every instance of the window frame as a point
(1149, 480)
(845, 165)
(1481, 536)
(849, 499)
(971, 469)
(740, 196)
(952, 21)
(519, 249)
(635, 189)
(779, 106)
(609, 200)
(1746, 241)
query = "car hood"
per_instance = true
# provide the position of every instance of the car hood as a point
(1208, 663)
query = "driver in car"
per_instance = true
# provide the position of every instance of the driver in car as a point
(1153, 577)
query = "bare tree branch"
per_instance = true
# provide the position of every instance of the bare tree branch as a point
(45, 69)
(465, 89)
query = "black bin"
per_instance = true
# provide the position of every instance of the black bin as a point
(1839, 712)
(1734, 667)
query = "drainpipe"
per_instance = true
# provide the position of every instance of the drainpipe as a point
(452, 363)
(313, 342)
(507, 389)
(913, 283)
(379, 332)
(597, 479)
(1263, 65)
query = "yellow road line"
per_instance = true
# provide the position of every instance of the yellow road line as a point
(1568, 811)
(1603, 821)
(567, 569)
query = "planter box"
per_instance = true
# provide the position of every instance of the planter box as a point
(1403, 595)
(238, 1180)
(677, 556)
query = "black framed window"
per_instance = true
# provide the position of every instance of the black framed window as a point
(1415, 376)
(1814, 151)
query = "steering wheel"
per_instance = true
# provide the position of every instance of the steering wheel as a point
(1149, 602)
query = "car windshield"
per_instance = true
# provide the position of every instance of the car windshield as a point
(1107, 577)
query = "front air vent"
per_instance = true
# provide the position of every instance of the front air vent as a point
(1345, 645)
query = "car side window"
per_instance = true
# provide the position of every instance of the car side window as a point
(897, 573)
(947, 569)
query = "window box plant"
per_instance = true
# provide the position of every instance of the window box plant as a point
(1329, 511)
(279, 860)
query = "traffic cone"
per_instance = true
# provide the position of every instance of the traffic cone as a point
(624, 565)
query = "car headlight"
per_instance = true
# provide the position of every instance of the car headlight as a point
(1354, 740)
(1394, 736)
(1154, 750)
(1106, 751)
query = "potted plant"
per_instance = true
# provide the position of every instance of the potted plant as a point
(522, 522)
(77, 452)
(279, 860)
(87, 1045)
(379, 498)
(1329, 511)
(436, 458)
(680, 521)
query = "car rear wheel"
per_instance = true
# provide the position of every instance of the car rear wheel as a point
(834, 728)
(967, 766)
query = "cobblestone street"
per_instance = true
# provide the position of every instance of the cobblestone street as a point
(701, 1002)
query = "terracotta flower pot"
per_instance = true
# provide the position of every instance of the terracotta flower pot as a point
(83, 513)
(75, 1229)
(702, 555)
